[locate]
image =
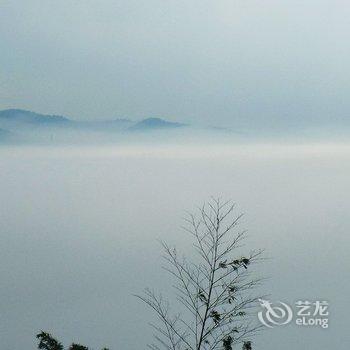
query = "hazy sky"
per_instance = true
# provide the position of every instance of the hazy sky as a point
(275, 63)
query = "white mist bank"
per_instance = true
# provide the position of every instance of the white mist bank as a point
(185, 150)
(79, 230)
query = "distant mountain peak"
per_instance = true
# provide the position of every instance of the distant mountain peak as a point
(31, 126)
(23, 115)
(155, 123)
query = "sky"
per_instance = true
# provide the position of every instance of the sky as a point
(230, 63)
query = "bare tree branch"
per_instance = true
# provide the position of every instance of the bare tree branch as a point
(213, 290)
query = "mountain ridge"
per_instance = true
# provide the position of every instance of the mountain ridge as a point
(155, 123)
(23, 115)
(29, 126)
(30, 117)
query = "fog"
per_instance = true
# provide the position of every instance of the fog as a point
(79, 231)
